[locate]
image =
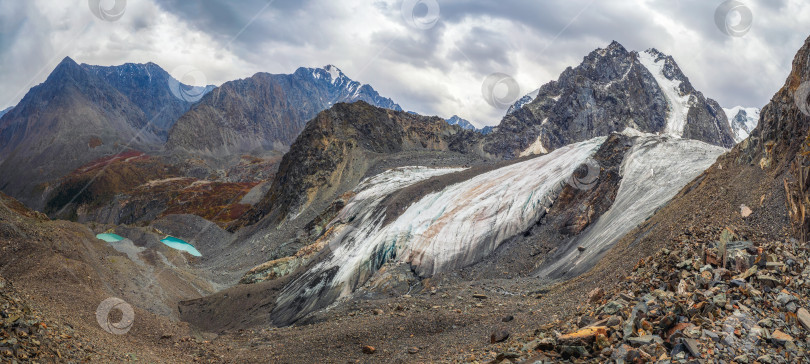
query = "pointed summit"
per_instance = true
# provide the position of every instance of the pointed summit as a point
(67, 68)
(464, 124)
(611, 90)
(615, 45)
(67, 60)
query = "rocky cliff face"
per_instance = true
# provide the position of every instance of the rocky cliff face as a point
(149, 87)
(779, 144)
(265, 112)
(79, 114)
(611, 90)
(784, 122)
(4, 111)
(70, 119)
(336, 149)
(725, 231)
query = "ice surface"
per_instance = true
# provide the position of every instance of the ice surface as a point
(654, 171)
(448, 229)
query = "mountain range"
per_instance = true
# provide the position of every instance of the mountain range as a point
(315, 187)
(319, 209)
(266, 111)
(88, 113)
(70, 119)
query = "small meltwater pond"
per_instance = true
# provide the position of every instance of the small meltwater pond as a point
(110, 238)
(179, 244)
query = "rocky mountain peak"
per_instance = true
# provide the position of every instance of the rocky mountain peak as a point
(614, 49)
(464, 124)
(334, 73)
(743, 120)
(612, 89)
(66, 70)
(161, 97)
(266, 112)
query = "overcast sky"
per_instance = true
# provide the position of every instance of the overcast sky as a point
(430, 56)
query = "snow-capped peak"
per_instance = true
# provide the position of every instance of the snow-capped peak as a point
(340, 88)
(523, 101)
(742, 120)
(464, 124)
(334, 72)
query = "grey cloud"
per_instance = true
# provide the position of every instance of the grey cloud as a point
(533, 41)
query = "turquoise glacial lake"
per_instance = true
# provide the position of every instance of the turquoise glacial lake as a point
(180, 244)
(110, 238)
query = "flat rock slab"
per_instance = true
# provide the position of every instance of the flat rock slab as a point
(587, 334)
(691, 346)
(804, 318)
(643, 340)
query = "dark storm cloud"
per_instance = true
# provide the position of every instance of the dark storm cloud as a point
(231, 20)
(438, 70)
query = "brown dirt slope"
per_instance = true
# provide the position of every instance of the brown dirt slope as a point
(63, 273)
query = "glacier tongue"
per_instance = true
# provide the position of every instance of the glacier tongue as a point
(463, 223)
(448, 229)
(655, 169)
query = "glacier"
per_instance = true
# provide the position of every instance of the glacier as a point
(655, 169)
(444, 230)
(462, 223)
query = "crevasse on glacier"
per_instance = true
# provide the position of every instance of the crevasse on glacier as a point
(653, 171)
(448, 229)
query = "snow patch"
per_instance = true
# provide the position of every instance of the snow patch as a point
(633, 132)
(523, 101)
(678, 104)
(334, 73)
(536, 147)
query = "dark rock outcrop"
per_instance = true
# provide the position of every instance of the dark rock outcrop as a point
(336, 149)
